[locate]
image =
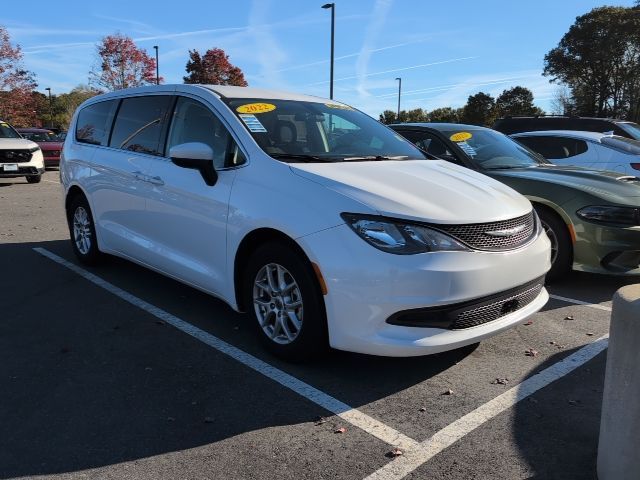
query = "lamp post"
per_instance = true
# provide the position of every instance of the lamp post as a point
(332, 6)
(399, 92)
(48, 89)
(155, 47)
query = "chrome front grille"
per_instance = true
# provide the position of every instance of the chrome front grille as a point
(494, 236)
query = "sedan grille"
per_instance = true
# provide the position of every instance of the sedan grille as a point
(494, 236)
(15, 156)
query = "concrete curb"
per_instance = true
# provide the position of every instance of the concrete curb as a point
(619, 444)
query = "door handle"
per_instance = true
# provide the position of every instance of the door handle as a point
(155, 180)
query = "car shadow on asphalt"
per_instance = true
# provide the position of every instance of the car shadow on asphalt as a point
(590, 287)
(89, 380)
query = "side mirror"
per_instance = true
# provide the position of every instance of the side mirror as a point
(197, 156)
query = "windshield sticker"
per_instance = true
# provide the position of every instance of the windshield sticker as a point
(256, 108)
(338, 106)
(468, 149)
(460, 137)
(252, 123)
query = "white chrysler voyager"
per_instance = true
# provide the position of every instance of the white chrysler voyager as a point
(324, 225)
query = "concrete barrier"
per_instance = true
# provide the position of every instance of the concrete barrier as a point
(619, 444)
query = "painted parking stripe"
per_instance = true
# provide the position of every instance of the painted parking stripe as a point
(402, 466)
(580, 302)
(344, 411)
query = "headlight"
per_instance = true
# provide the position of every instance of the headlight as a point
(400, 238)
(34, 149)
(610, 214)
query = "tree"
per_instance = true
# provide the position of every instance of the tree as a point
(417, 115)
(479, 110)
(599, 59)
(17, 104)
(121, 64)
(388, 117)
(516, 101)
(213, 68)
(445, 115)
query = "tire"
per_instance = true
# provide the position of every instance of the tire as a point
(561, 247)
(34, 178)
(82, 231)
(300, 333)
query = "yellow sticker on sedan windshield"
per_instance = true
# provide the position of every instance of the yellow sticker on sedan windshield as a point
(338, 106)
(256, 108)
(460, 137)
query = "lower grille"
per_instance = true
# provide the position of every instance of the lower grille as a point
(469, 314)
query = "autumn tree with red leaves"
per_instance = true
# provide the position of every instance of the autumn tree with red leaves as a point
(213, 68)
(17, 104)
(121, 64)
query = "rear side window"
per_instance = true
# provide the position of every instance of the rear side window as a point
(140, 124)
(94, 122)
(627, 145)
(555, 148)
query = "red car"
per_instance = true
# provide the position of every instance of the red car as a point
(48, 141)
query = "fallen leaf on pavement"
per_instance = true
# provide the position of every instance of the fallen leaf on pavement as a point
(208, 420)
(447, 392)
(500, 381)
(320, 421)
(590, 334)
(340, 430)
(531, 352)
(530, 322)
(396, 452)
(422, 409)
(569, 317)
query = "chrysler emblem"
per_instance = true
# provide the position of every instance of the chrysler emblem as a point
(507, 232)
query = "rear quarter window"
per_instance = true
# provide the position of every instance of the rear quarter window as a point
(94, 122)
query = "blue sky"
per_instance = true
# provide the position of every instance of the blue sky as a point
(443, 51)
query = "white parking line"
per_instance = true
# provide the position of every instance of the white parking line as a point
(347, 413)
(50, 181)
(404, 465)
(580, 302)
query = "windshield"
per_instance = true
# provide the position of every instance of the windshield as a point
(627, 145)
(7, 131)
(631, 128)
(492, 150)
(295, 131)
(41, 136)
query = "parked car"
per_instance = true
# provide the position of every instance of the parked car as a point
(599, 151)
(591, 217)
(49, 143)
(19, 157)
(320, 222)
(622, 128)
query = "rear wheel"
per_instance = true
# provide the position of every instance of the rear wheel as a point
(34, 178)
(82, 231)
(285, 302)
(561, 248)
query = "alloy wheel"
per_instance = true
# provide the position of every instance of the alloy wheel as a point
(82, 230)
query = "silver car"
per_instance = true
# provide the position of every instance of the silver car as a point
(599, 151)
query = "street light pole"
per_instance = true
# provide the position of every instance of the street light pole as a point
(48, 89)
(332, 6)
(399, 93)
(157, 66)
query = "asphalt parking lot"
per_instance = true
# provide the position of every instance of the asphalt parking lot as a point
(117, 372)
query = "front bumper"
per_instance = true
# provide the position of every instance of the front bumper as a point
(606, 249)
(367, 286)
(23, 171)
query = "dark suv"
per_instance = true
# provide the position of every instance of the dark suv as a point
(509, 125)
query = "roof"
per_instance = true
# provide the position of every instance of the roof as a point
(593, 136)
(249, 92)
(34, 130)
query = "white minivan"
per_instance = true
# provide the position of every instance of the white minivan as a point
(324, 225)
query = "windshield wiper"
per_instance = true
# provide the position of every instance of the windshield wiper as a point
(303, 158)
(374, 157)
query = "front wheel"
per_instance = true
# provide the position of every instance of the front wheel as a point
(82, 231)
(282, 296)
(561, 248)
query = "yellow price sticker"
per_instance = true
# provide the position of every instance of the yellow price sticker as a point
(256, 108)
(460, 137)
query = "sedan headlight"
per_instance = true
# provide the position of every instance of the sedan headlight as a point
(396, 236)
(610, 214)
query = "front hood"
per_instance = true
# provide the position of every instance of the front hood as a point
(611, 186)
(432, 191)
(50, 145)
(16, 144)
